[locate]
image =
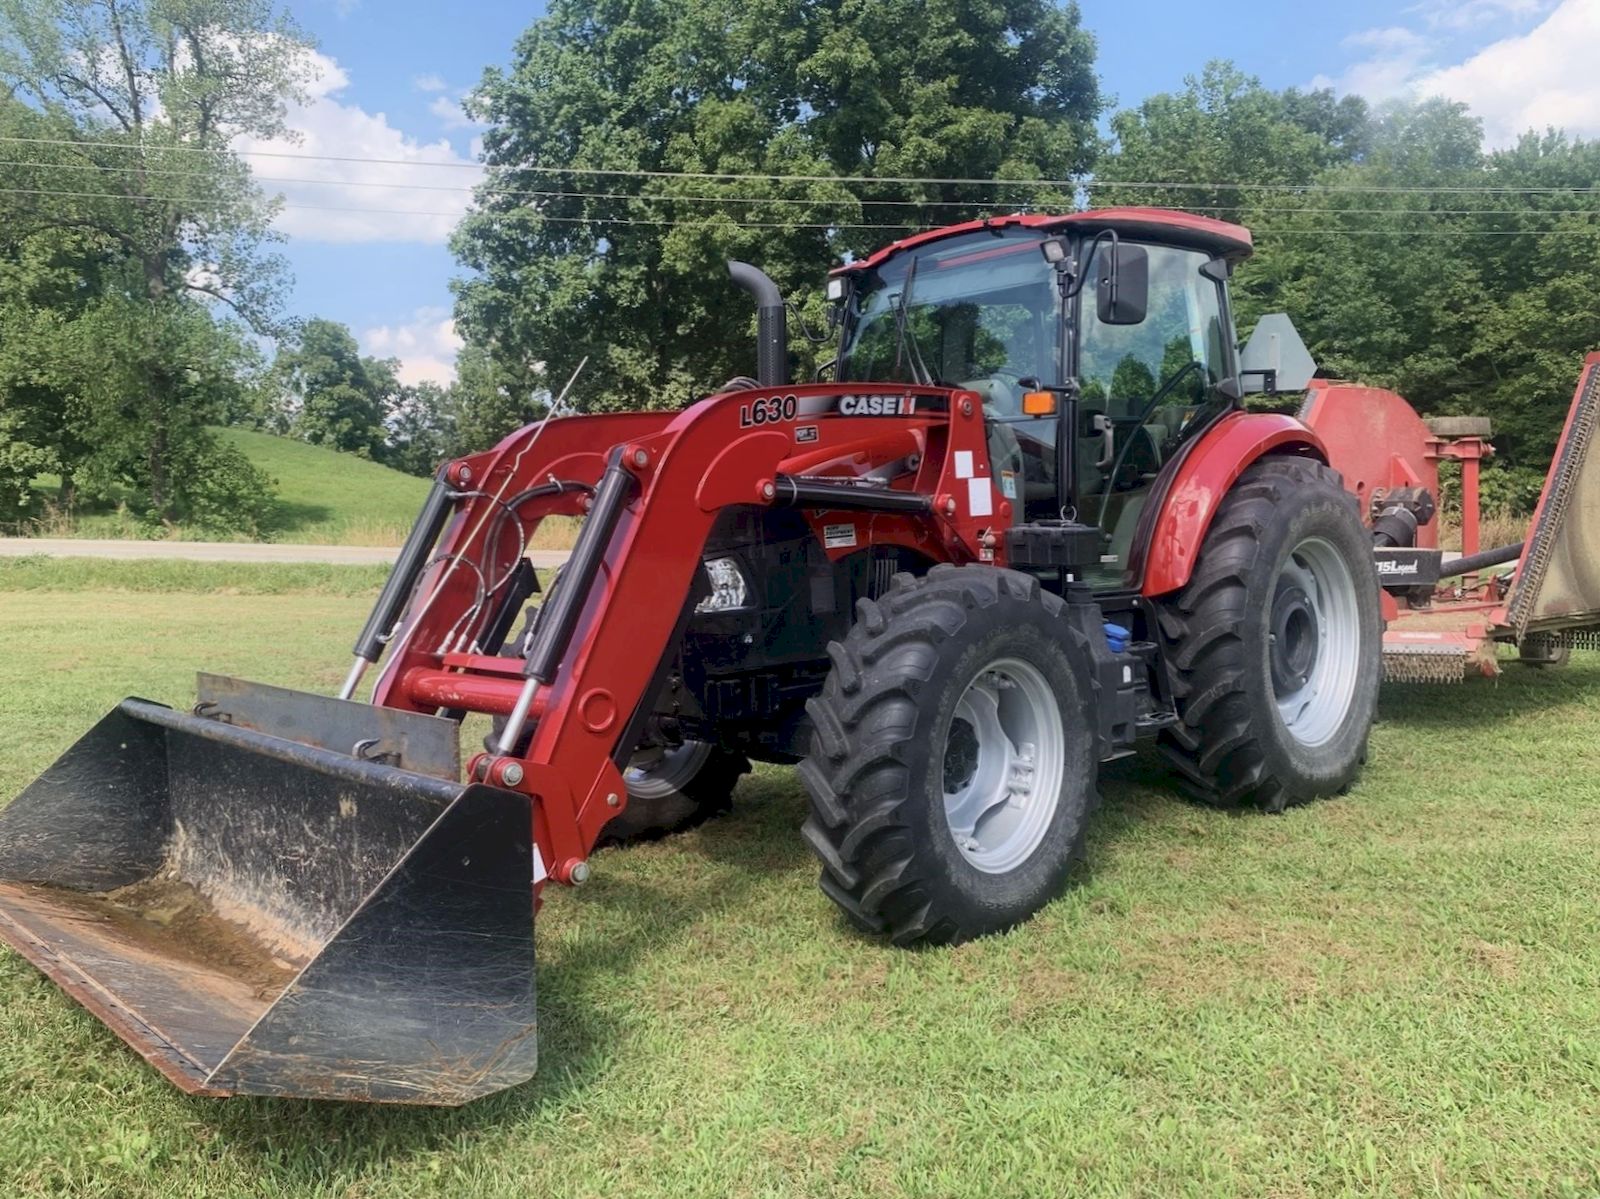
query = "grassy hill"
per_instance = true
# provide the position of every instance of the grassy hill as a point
(330, 498)
(324, 497)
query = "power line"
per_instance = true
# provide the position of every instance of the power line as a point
(642, 173)
(86, 195)
(829, 225)
(631, 197)
(481, 189)
(1402, 233)
(660, 198)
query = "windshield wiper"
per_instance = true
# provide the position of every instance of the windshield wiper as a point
(902, 330)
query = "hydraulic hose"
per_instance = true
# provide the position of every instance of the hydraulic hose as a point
(1482, 560)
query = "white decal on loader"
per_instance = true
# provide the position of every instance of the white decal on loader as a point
(838, 537)
(869, 405)
(980, 497)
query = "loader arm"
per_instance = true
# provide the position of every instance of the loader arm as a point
(653, 486)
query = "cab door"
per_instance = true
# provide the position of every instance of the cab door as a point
(1144, 389)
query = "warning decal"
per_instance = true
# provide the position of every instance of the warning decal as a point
(838, 537)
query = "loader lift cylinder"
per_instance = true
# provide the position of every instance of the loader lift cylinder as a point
(844, 497)
(402, 581)
(558, 619)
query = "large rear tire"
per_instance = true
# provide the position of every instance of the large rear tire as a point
(1275, 643)
(952, 769)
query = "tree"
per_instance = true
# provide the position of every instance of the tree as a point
(138, 102)
(491, 400)
(1224, 128)
(423, 428)
(627, 268)
(1411, 260)
(334, 396)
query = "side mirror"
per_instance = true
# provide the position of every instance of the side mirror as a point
(838, 292)
(1122, 291)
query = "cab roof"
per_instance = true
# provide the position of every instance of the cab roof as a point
(1222, 238)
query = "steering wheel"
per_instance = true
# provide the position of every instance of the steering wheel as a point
(1144, 414)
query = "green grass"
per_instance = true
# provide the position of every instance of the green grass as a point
(1393, 993)
(324, 497)
(333, 498)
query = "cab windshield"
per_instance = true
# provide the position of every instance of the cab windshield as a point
(978, 311)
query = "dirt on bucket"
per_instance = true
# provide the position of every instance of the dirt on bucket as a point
(171, 918)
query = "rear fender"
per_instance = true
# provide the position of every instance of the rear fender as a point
(1176, 520)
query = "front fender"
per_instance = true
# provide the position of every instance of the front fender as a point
(1183, 504)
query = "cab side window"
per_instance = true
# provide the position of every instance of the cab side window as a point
(1120, 367)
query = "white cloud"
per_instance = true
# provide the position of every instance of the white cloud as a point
(1529, 80)
(1461, 15)
(426, 346)
(1394, 57)
(372, 181)
(450, 113)
(429, 83)
(1541, 78)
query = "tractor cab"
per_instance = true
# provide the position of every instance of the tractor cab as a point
(1100, 343)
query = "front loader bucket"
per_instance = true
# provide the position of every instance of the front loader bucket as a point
(260, 916)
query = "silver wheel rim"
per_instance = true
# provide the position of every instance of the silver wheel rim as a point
(663, 770)
(1314, 642)
(1003, 762)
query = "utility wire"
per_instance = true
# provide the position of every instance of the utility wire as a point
(1264, 232)
(661, 198)
(1089, 183)
(598, 220)
(483, 189)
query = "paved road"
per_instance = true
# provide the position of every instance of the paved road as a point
(222, 551)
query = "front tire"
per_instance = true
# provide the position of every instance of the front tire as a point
(1275, 643)
(673, 789)
(952, 769)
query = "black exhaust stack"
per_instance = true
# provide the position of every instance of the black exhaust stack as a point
(772, 334)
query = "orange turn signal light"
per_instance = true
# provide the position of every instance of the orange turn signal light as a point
(1038, 403)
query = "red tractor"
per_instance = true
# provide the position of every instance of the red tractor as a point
(1023, 525)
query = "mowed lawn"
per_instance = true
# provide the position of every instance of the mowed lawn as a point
(1393, 993)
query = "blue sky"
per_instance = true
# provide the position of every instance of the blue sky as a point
(392, 73)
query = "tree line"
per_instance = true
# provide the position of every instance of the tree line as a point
(634, 145)
(142, 300)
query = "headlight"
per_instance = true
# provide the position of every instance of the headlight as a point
(728, 588)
